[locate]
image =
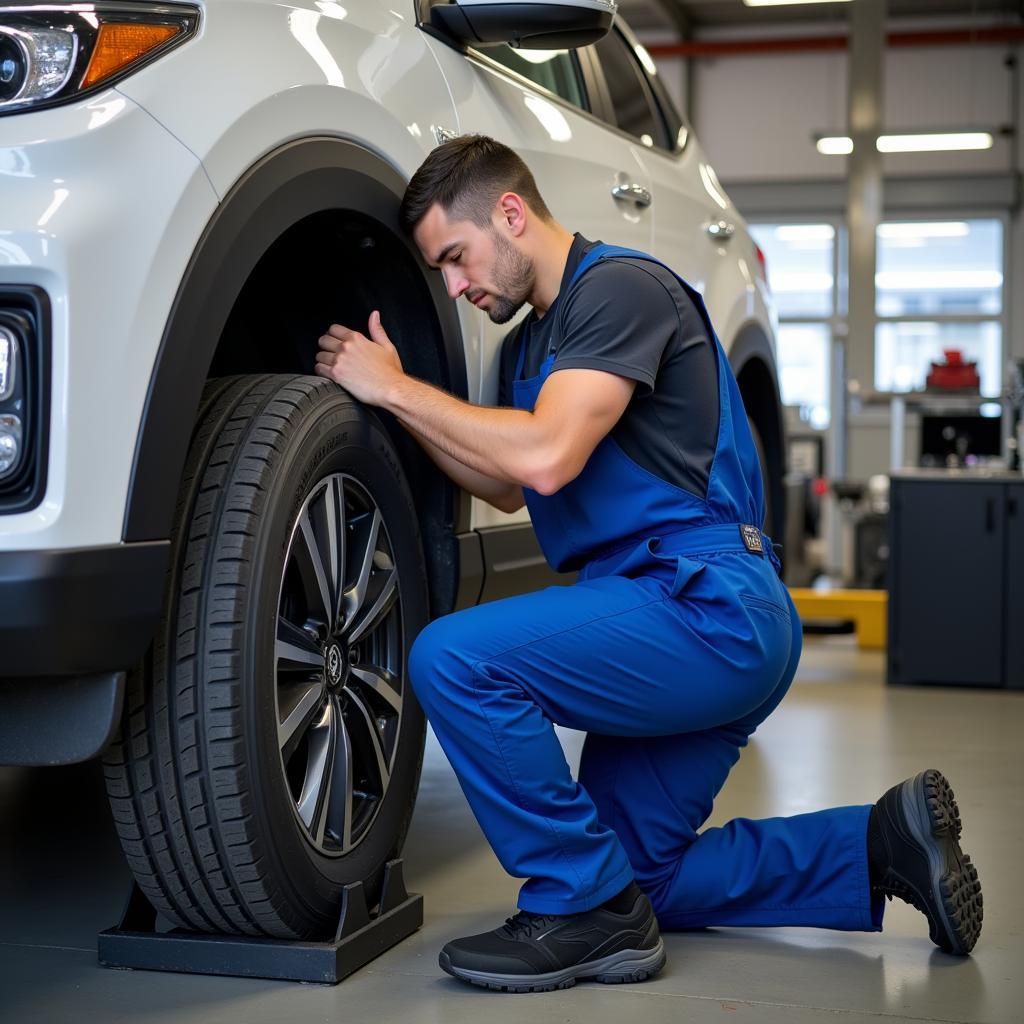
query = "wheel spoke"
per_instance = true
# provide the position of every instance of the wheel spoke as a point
(367, 621)
(334, 514)
(316, 787)
(339, 814)
(381, 681)
(356, 594)
(295, 648)
(314, 575)
(369, 722)
(304, 710)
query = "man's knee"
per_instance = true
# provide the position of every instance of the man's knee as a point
(437, 661)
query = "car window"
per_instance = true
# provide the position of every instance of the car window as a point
(631, 99)
(554, 70)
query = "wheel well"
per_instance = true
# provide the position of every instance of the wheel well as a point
(760, 393)
(337, 266)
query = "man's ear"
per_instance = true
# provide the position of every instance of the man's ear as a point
(512, 212)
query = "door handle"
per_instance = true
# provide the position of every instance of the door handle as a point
(636, 194)
(720, 230)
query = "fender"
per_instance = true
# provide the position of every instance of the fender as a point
(299, 179)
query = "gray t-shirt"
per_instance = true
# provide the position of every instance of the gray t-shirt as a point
(632, 318)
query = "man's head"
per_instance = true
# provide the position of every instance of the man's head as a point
(474, 210)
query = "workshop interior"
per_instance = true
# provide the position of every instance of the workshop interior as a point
(221, 799)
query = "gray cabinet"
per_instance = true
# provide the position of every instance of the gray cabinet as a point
(956, 588)
(1015, 587)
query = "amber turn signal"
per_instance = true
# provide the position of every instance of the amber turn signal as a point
(117, 46)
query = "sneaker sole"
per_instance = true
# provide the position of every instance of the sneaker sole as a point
(934, 820)
(628, 965)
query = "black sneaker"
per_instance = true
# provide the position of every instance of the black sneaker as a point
(542, 952)
(919, 823)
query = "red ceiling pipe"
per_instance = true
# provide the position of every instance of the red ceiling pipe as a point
(806, 44)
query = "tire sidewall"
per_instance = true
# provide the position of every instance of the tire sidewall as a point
(338, 437)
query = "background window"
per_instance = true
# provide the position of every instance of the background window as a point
(939, 284)
(631, 99)
(905, 350)
(801, 261)
(803, 369)
(554, 70)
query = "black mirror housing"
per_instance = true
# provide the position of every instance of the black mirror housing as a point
(540, 25)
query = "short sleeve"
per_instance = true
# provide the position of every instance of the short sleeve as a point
(619, 318)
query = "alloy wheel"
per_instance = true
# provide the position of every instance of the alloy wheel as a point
(338, 664)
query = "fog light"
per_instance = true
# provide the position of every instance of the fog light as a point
(8, 360)
(10, 443)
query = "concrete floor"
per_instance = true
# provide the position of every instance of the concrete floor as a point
(839, 737)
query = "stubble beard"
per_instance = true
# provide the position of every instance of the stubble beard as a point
(514, 276)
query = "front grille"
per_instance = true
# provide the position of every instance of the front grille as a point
(25, 313)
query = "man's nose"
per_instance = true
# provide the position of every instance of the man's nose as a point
(457, 284)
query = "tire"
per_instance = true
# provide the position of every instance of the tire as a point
(766, 483)
(267, 669)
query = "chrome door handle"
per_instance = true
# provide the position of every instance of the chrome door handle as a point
(721, 229)
(634, 193)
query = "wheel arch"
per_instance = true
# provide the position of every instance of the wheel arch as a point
(298, 181)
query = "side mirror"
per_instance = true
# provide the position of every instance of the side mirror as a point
(529, 24)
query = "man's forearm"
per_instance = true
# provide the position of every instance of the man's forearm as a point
(503, 444)
(500, 493)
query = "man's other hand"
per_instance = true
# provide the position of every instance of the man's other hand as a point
(365, 367)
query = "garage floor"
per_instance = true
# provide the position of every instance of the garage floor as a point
(840, 737)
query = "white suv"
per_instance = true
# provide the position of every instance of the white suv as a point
(212, 563)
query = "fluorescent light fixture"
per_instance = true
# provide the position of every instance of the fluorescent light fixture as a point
(920, 142)
(790, 3)
(928, 142)
(834, 145)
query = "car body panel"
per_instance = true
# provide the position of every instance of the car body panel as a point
(109, 245)
(106, 201)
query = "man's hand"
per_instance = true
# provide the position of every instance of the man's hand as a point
(365, 367)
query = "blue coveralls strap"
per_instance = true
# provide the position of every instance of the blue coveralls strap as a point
(676, 641)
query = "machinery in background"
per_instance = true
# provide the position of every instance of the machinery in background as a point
(953, 374)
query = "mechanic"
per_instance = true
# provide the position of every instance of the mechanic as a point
(620, 425)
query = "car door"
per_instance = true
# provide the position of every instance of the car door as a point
(687, 200)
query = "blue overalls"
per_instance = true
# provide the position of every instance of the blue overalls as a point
(677, 640)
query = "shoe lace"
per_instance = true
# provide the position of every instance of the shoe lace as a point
(894, 887)
(524, 924)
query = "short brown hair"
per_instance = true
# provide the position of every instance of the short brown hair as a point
(466, 176)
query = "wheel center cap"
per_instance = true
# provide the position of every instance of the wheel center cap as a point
(335, 665)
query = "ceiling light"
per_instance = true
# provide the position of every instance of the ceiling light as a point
(926, 142)
(789, 3)
(908, 142)
(834, 145)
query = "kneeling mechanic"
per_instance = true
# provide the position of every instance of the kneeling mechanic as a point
(621, 427)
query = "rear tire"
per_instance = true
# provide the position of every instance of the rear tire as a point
(250, 696)
(768, 526)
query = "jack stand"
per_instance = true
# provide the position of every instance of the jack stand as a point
(360, 937)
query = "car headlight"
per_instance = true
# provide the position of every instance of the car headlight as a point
(53, 54)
